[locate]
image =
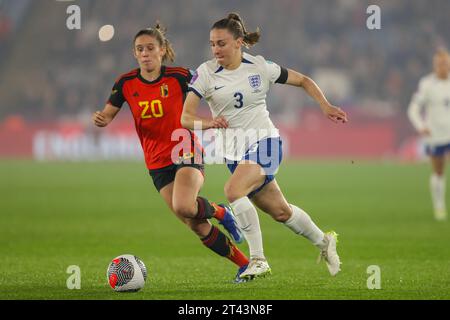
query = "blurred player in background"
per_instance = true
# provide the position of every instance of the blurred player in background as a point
(235, 85)
(433, 97)
(155, 94)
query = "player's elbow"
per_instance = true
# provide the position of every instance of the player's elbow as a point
(305, 82)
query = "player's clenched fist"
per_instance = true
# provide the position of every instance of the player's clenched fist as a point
(99, 119)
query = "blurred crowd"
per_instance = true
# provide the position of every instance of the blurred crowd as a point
(374, 70)
(12, 14)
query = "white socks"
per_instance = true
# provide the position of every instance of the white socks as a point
(300, 222)
(248, 221)
(437, 187)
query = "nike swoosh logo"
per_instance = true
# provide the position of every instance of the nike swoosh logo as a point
(246, 228)
(217, 88)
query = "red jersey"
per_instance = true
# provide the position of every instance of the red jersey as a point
(156, 107)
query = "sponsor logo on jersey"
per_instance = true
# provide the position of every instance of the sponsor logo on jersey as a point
(255, 81)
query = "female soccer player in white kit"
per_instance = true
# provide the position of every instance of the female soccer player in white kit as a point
(235, 85)
(433, 95)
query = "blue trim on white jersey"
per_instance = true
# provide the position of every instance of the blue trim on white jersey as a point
(243, 61)
(195, 91)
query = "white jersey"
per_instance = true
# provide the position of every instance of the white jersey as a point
(433, 95)
(239, 96)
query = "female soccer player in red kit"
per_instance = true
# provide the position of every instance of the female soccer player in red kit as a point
(155, 94)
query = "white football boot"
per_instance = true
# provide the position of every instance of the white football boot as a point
(440, 215)
(329, 253)
(257, 268)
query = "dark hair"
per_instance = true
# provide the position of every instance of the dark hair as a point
(159, 33)
(235, 25)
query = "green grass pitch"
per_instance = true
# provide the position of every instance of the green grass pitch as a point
(58, 214)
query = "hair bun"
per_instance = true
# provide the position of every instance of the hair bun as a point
(234, 16)
(160, 28)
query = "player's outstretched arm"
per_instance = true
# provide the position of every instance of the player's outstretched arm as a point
(103, 118)
(190, 119)
(333, 113)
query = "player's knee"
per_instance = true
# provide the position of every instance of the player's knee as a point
(184, 210)
(281, 214)
(232, 193)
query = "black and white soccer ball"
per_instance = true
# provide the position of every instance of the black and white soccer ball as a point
(126, 273)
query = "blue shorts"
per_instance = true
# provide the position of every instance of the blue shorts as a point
(437, 151)
(268, 153)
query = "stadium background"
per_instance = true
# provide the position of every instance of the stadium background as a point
(56, 167)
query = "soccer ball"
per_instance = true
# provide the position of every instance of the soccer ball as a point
(126, 273)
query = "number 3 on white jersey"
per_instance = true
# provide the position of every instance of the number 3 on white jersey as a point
(239, 100)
